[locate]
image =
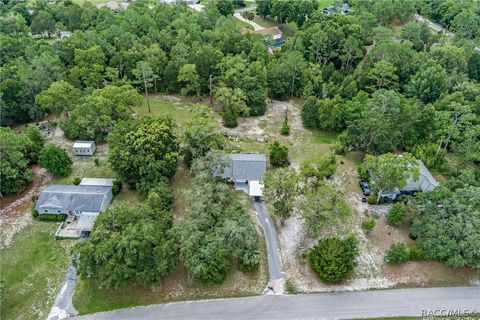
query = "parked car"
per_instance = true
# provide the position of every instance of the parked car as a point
(365, 187)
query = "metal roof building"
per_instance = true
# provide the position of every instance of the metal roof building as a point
(82, 198)
(84, 148)
(245, 166)
(97, 182)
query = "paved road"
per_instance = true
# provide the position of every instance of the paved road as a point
(63, 307)
(275, 268)
(255, 26)
(434, 26)
(345, 305)
(251, 8)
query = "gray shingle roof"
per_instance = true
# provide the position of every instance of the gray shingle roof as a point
(71, 197)
(245, 166)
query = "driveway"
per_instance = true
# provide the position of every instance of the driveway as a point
(63, 306)
(255, 26)
(434, 26)
(344, 305)
(275, 268)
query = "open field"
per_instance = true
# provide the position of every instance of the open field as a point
(32, 268)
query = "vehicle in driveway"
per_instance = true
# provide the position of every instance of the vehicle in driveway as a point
(365, 187)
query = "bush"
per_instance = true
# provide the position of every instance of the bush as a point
(34, 213)
(96, 162)
(52, 217)
(230, 118)
(334, 259)
(161, 197)
(76, 181)
(396, 214)
(55, 159)
(117, 187)
(285, 131)
(250, 260)
(372, 199)
(278, 155)
(249, 15)
(369, 224)
(416, 253)
(397, 254)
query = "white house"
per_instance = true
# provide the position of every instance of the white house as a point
(247, 171)
(426, 182)
(84, 148)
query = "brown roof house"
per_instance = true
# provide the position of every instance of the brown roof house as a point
(275, 33)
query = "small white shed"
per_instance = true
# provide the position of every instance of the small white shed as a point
(84, 148)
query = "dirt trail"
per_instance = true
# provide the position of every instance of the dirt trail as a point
(15, 212)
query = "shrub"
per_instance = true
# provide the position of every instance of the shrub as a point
(397, 254)
(34, 213)
(372, 199)
(249, 15)
(161, 197)
(396, 214)
(369, 224)
(76, 181)
(55, 159)
(117, 187)
(285, 130)
(278, 155)
(250, 260)
(96, 162)
(52, 217)
(334, 259)
(416, 253)
(230, 118)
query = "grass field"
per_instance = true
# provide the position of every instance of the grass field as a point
(324, 3)
(32, 269)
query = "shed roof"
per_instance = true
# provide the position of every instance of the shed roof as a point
(97, 182)
(71, 197)
(245, 166)
(86, 221)
(83, 144)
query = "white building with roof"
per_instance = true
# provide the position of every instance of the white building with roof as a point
(84, 148)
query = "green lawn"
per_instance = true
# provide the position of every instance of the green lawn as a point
(87, 168)
(32, 269)
(324, 3)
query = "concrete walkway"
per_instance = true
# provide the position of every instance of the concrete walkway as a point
(275, 268)
(343, 305)
(255, 26)
(63, 306)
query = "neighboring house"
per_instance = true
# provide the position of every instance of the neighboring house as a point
(247, 171)
(343, 9)
(84, 148)
(426, 182)
(187, 2)
(275, 33)
(81, 203)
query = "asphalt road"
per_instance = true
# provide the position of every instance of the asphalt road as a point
(275, 268)
(63, 307)
(345, 305)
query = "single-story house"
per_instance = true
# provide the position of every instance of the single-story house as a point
(84, 148)
(425, 182)
(247, 171)
(275, 33)
(81, 203)
(343, 9)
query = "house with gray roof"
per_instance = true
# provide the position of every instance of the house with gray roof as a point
(247, 171)
(84, 148)
(80, 203)
(425, 182)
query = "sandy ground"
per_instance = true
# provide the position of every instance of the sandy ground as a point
(15, 213)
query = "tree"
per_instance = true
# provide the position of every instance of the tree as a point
(233, 103)
(55, 159)
(449, 232)
(264, 7)
(331, 114)
(278, 155)
(128, 244)
(96, 117)
(144, 74)
(322, 206)
(35, 143)
(397, 254)
(382, 76)
(390, 171)
(200, 135)
(43, 22)
(225, 7)
(396, 215)
(60, 97)
(418, 34)
(188, 75)
(281, 191)
(144, 150)
(323, 168)
(309, 113)
(428, 83)
(466, 24)
(334, 259)
(14, 172)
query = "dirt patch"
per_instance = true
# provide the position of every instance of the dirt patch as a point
(15, 212)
